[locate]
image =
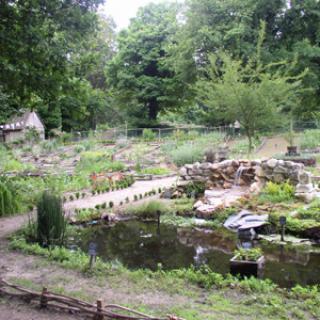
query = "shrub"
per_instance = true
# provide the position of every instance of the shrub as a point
(111, 204)
(9, 199)
(104, 206)
(71, 198)
(97, 206)
(148, 135)
(51, 222)
(274, 192)
(149, 210)
(77, 195)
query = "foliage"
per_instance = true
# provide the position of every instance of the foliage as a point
(274, 192)
(9, 199)
(97, 162)
(249, 91)
(183, 151)
(39, 50)
(310, 139)
(312, 212)
(252, 254)
(141, 73)
(158, 171)
(148, 210)
(148, 135)
(195, 189)
(51, 222)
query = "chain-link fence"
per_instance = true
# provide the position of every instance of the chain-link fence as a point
(114, 135)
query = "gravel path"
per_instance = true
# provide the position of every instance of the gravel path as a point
(139, 187)
(272, 146)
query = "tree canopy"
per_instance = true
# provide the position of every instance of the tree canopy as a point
(65, 60)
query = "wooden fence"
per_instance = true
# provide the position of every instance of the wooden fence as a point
(97, 311)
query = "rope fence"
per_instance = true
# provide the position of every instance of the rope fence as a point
(64, 303)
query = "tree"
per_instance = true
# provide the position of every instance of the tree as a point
(250, 92)
(38, 39)
(143, 80)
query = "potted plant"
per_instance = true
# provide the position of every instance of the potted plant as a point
(247, 262)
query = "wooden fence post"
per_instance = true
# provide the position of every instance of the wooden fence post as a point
(98, 315)
(44, 298)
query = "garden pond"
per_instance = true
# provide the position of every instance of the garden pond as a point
(139, 244)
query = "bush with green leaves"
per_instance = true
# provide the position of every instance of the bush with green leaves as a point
(9, 198)
(277, 192)
(148, 210)
(51, 221)
(148, 135)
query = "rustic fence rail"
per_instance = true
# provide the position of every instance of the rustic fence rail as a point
(97, 311)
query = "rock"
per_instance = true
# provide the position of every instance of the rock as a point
(272, 163)
(205, 166)
(205, 211)
(278, 178)
(305, 178)
(259, 172)
(227, 185)
(306, 197)
(280, 169)
(198, 204)
(312, 233)
(183, 171)
(304, 188)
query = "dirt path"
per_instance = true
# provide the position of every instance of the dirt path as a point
(139, 187)
(272, 146)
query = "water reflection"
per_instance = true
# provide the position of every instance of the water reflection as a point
(145, 245)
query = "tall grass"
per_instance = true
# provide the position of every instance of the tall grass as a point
(310, 139)
(51, 221)
(9, 199)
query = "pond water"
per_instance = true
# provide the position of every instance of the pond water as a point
(143, 245)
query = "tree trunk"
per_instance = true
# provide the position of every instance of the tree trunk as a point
(153, 109)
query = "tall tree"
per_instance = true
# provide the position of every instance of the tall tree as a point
(249, 91)
(37, 39)
(141, 74)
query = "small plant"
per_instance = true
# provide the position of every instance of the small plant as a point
(140, 196)
(83, 195)
(111, 204)
(135, 198)
(145, 194)
(64, 199)
(77, 195)
(148, 135)
(104, 205)
(121, 203)
(274, 192)
(248, 254)
(71, 198)
(93, 192)
(98, 206)
(159, 190)
(127, 200)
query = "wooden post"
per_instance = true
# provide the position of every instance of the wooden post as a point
(98, 315)
(44, 298)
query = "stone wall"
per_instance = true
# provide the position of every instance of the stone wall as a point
(254, 173)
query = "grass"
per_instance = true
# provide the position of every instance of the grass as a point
(183, 151)
(158, 171)
(309, 139)
(203, 294)
(148, 210)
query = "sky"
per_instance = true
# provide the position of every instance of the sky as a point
(122, 10)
